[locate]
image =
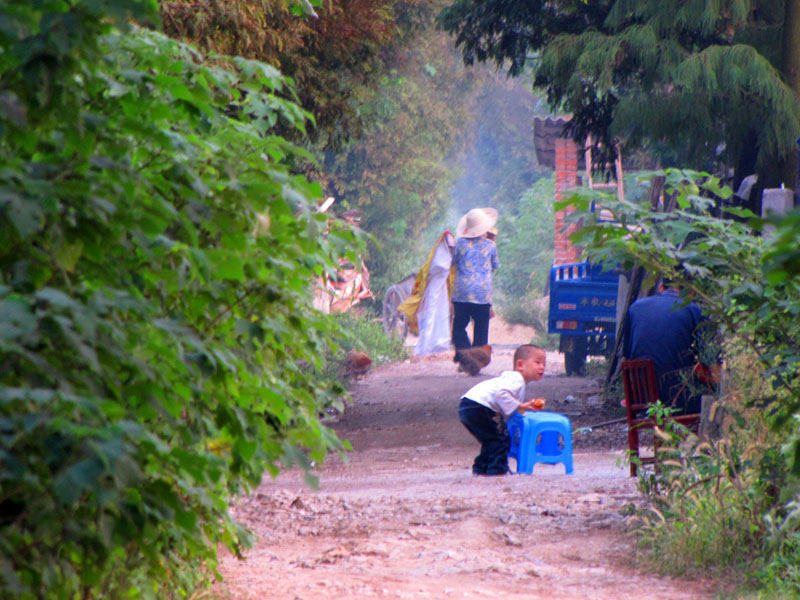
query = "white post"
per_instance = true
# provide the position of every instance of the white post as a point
(778, 201)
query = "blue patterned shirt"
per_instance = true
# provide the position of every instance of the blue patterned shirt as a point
(474, 259)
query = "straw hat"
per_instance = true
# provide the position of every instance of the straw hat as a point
(476, 222)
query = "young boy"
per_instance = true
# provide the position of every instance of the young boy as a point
(486, 407)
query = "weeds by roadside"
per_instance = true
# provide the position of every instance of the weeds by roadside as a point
(723, 507)
(596, 366)
(730, 506)
(360, 333)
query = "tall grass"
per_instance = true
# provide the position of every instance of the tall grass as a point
(360, 332)
(723, 507)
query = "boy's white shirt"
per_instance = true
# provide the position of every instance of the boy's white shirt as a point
(503, 394)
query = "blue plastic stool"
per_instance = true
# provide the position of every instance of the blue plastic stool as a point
(540, 437)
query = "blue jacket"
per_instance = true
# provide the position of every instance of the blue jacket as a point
(664, 331)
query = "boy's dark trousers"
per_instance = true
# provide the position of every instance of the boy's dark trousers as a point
(483, 423)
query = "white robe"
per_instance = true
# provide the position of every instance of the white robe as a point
(433, 315)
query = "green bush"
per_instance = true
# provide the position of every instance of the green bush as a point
(778, 576)
(731, 505)
(525, 244)
(155, 307)
(715, 506)
(530, 312)
(703, 517)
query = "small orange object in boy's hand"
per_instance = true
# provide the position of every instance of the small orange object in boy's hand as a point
(534, 404)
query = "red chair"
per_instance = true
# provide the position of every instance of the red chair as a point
(641, 390)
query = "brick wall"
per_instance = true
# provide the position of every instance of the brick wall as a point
(566, 180)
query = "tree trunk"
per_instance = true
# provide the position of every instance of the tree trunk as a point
(790, 68)
(638, 275)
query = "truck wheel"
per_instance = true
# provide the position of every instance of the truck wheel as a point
(575, 359)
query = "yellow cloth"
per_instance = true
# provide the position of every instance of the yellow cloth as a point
(410, 305)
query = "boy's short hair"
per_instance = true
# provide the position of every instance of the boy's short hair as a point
(524, 351)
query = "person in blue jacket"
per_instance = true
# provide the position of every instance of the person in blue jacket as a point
(672, 334)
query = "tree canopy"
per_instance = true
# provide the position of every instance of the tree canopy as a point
(709, 80)
(330, 57)
(395, 113)
(383, 89)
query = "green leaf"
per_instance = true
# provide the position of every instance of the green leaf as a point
(57, 298)
(24, 214)
(16, 319)
(187, 520)
(743, 213)
(73, 482)
(776, 277)
(226, 264)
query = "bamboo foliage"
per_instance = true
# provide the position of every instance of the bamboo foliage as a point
(702, 100)
(328, 58)
(384, 92)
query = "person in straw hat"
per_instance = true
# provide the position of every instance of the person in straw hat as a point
(475, 259)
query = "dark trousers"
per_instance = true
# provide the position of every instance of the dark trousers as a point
(490, 430)
(680, 390)
(463, 312)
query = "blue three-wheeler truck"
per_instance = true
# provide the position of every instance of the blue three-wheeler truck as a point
(583, 311)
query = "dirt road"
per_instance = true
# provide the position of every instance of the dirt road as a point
(405, 518)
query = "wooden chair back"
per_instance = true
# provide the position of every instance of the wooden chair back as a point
(641, 390)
